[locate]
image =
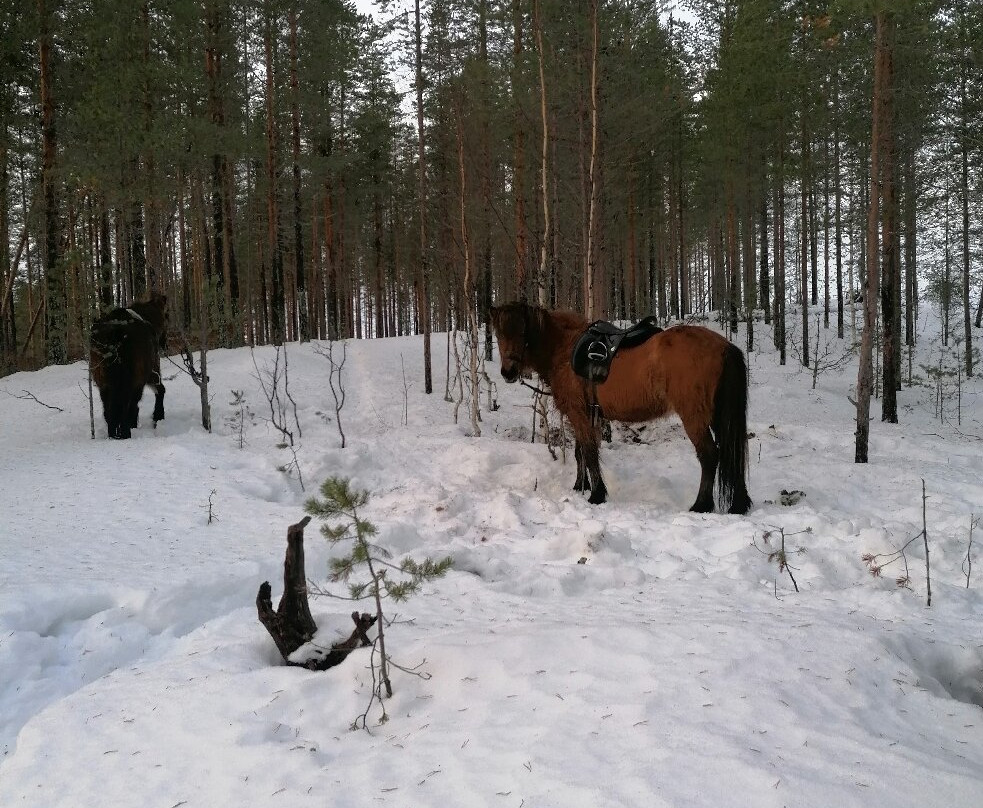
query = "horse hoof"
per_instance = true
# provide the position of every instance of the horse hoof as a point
(597, 499)
(701, 507)
(740, 507)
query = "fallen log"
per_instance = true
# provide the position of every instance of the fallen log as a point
(291, 625)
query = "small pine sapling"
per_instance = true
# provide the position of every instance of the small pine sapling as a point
(780, 555)
(385, 579)
(876, 562)
(237, 421)
(210, 507)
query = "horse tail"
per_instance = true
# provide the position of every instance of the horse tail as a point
(730, 430)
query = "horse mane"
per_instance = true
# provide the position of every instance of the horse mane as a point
(521, 317)
(567, 320)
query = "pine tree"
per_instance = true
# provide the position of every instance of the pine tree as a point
(339, 500)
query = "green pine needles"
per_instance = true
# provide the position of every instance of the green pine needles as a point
(397, 582)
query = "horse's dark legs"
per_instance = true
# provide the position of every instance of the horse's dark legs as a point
(706, 451)
(109, 413)
(158, 402)
(115, 411)
(592, 464)
(118, 417)
(741, 502)
(582, 483)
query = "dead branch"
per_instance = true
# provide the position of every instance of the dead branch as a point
(291, 625)
(27, 395)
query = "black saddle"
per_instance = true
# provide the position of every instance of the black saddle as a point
(597, 346)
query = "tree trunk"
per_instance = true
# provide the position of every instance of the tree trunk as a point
(153, 252)
(890, 267)
(592, 247)
(275, 252)
(423, 278)
(543, 273)
(750, 282)
(837, 205)
(292, 625)
(865, 375)
(732, 260)
(7, 270)
(764, 282)
(518, 158)
(804, 238)
(911, 249)
(964, 188)
(469, 289)
(56, 299)
(300, 267)
(779, 326)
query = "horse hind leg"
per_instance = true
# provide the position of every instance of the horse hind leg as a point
(117, 410)
(133, 409)
(708, 455)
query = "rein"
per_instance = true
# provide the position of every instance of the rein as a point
(189, 366)
(534, 389)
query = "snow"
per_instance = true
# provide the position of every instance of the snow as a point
(628, 654)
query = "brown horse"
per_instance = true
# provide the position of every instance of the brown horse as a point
(689, 370)
(125, 357)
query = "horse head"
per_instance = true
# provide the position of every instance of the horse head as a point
(517, 326)
(156, 312)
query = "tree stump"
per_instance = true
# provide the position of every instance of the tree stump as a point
(291, 625)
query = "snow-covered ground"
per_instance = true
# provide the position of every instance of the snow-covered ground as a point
(629, 654)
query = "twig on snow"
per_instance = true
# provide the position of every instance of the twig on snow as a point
(27, 395)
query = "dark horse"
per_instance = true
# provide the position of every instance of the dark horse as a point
(689, 370)
(125, 357)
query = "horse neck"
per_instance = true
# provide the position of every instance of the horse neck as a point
(550, 338)
(152, 313)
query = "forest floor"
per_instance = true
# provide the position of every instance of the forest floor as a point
(628, 654)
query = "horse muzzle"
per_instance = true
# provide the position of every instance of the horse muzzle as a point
(510, 372)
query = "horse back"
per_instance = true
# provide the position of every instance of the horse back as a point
(124, 351)
(676, 370)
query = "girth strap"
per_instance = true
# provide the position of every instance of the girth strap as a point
(595, 350)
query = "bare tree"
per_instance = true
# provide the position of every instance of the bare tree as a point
(878, 143)
(423, 279)
(335, 380)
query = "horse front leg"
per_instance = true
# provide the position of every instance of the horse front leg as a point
(582, 483)
(157, 382)
(591, 453)
(116, 408)
(158, 403)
